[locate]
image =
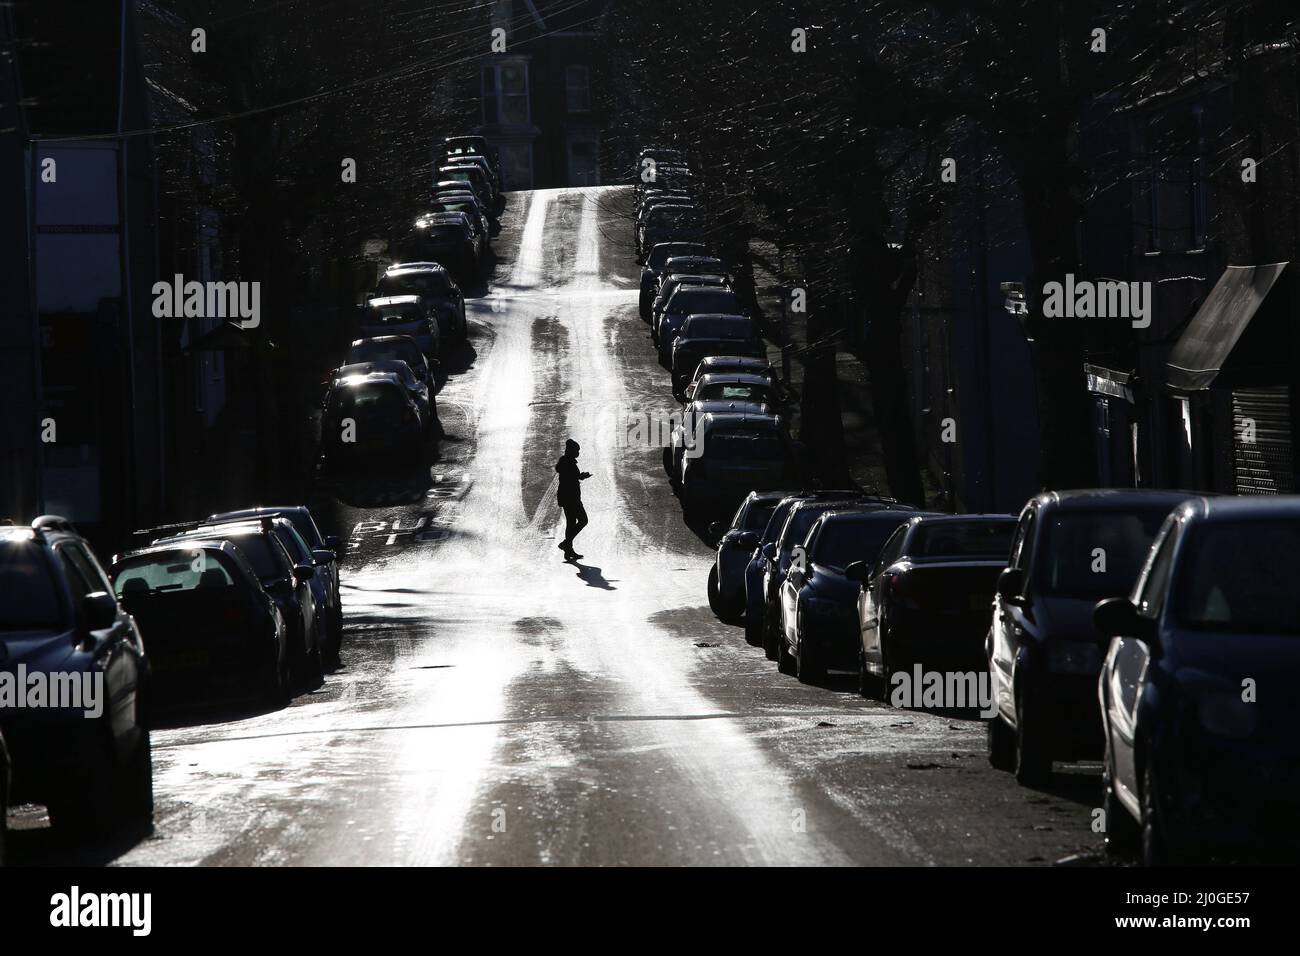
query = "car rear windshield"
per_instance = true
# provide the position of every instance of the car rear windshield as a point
(413, 283)
(1242, 576)
(373, 399)
(718, 328)
(685, 301)
(733, 392)
(1095, 554)
(263, 555)
(446, 232)
(660, 254)
(845, 540)
(181, 570)
(751, 446)
(384, 352)
(393, 315)
(29, 593)
(963, 539)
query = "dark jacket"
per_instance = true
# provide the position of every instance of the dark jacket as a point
(570, 492)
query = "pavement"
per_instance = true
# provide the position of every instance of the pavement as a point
(500, 706)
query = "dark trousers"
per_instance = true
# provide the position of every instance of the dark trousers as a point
(575, 519)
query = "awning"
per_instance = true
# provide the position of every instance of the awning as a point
(1221, 345)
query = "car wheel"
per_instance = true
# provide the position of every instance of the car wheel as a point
(807, 668)
(753, 630)
(870, 685)
(1001, 744)
(313, 669)
(1122, 831)
(770, 636)
(668, 462)
(715, 599)
(1033, 765)
(785, 662)
(88, 809)
(1157, 849)
(136, 783)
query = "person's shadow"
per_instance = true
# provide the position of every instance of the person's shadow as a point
(592, 577)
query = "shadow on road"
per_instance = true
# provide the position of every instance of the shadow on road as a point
(591, 576)
(33, 842)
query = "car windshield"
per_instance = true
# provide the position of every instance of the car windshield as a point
(685, 301)
(293, 543)
(733, 392)
(964, 539)
(446, 231)
(772, 530)
(1241, 576)
(757, 515)
(374, 399)
(180, 570)
(393, 315)
(413, 283)
(754, 446)
(29, 593)
(1095, 554)
(845, 540)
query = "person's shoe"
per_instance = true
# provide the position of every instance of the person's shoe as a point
(565, 547)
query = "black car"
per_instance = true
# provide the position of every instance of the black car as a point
(214, 633)
(818, 600)
(418, 390)
(449, 239)
(1070, 549)
(467, 203)
(926, 599)
(653, 269)
(401, 348)
(704, 335)
(286, 578)
(5, 776)
(437, 291)
(470, 146)
(369, 415)
(1200, 715)
(726, 587)
(326, 554)
(59, 616)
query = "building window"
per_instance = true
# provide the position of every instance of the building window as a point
(577, 89)
(584, 161)
(505, 93)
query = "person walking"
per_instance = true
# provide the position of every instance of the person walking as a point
(569, 497)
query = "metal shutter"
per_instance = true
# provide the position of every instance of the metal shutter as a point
(1264, 467)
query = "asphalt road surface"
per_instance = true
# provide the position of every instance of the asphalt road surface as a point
(498, 706)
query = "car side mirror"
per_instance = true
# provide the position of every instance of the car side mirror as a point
(796, 577)
(334, 543)
(769, 550)
(323, 556)
(747, 541)
(1011, 585)
(303, 572)
(858, 571)
(99, 609)
(717, 529)
(1118, 617)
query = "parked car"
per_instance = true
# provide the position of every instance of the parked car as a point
(735, 387)
(326, 554)
(401, 348)
(416, 389)
(687, 433)
(480, 162)
(467, 203)
(739, 453)
(704, 335)
(287, 573)
(652, 271)
(471, 146)
(477, 180)
(1070, 549)
(668, 286)
(59, 617)
(817, 601)
(694, 299)
(668, 223)
(214, 634)
(448, 238)
(776, 554)
(437, 290)
(368, 415)
(403, 315)
(926, 599)
(732, 364)
(662, 198)
(1200, 715)
(726, 586)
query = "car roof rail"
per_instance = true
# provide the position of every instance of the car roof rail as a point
(53, 523)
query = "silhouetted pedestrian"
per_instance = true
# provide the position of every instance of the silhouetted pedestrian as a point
(569, 497)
